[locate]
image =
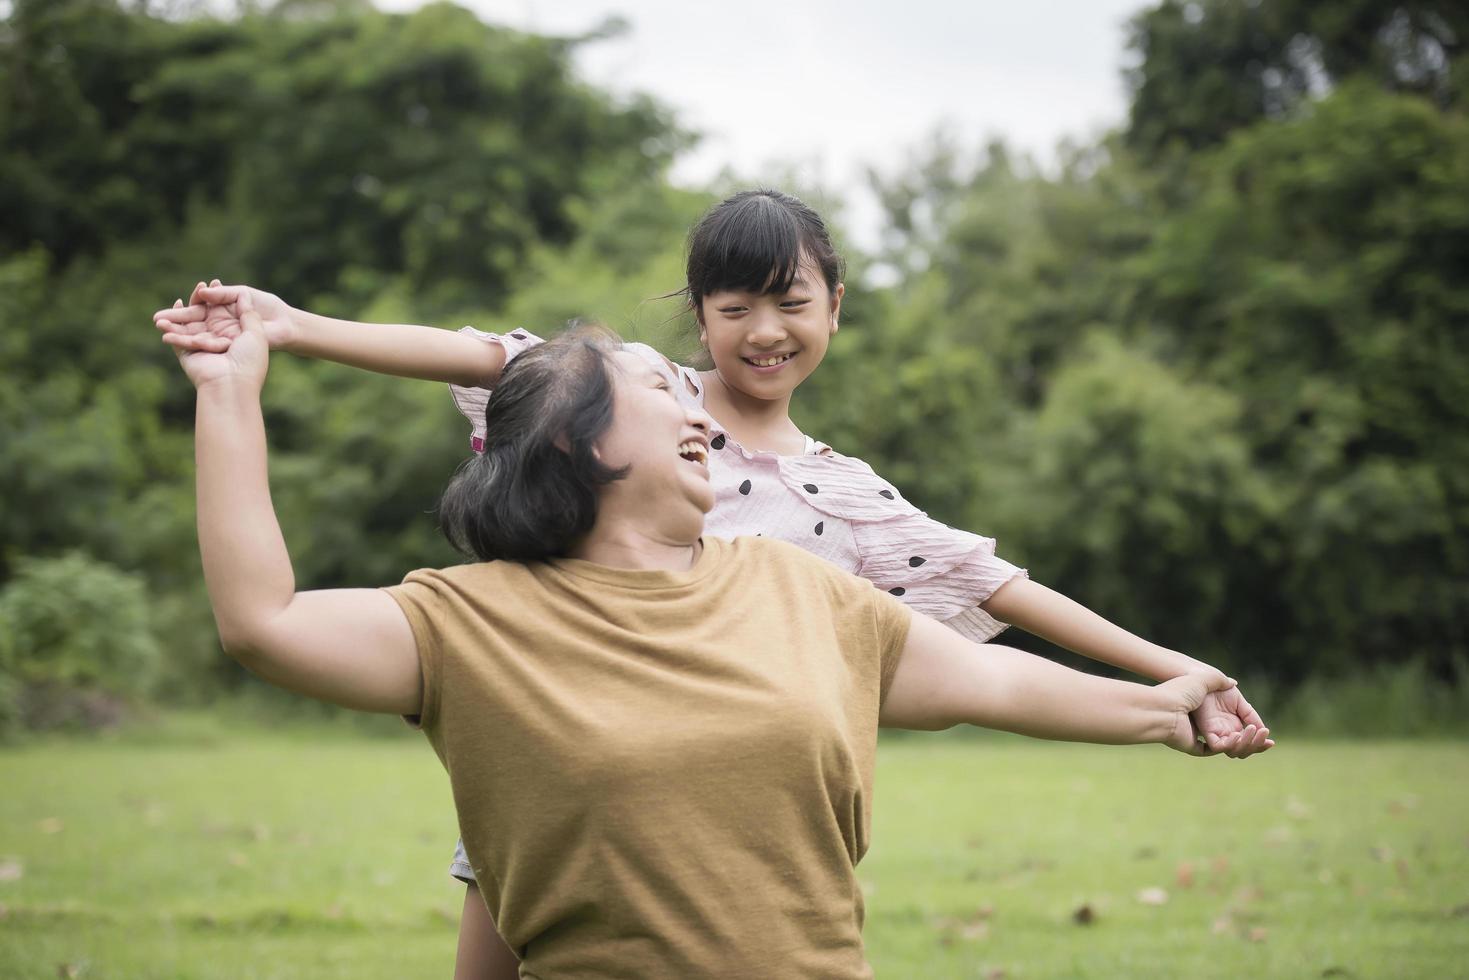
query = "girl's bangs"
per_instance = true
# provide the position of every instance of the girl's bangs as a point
(756, 248)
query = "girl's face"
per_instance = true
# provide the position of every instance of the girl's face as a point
(764, 345)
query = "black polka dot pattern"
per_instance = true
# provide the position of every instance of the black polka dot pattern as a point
(812, 488)
(898, 591)
(915, 561)
(745, 488)
(886, 493)
(820, 526)
(717, 442)
(518, 335)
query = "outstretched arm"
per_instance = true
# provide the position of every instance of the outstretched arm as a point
(1222, 718)
(941, 682)
(353, 647)
(399, 349)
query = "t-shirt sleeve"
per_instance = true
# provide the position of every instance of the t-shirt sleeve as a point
(471, 401)
(891, 622)
(420, 598)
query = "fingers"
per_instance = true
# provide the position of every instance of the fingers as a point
(178, 313)
(186, 342)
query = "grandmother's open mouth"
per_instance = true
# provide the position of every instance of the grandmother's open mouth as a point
(695, 452)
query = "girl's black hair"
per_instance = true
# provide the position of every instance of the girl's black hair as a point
(754, 242)
(532, 493)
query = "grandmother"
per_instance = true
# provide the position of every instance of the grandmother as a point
(660, 745)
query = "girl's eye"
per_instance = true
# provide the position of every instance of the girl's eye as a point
(794, 304)
(731, 310)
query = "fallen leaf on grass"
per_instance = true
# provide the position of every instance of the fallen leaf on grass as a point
(1183, 875)
(1382, 853)
(1298, 810)
(1222, 926)
(1280, 834)
(1258, 934)
(1153, 896)
(50, 825)
(11, 870)
(68, 971)
(1084, 916)
(1402, 805)
(996, 973)
(237, 859)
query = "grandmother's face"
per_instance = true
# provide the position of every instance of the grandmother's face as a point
(665, 444)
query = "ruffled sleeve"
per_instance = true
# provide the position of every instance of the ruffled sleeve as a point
(471, 401)
(935, 569)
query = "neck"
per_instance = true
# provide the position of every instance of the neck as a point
(761, 414)
(622, 546)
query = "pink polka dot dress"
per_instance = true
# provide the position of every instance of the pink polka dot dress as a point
(832, 505)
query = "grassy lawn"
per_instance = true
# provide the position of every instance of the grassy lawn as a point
(287, 855)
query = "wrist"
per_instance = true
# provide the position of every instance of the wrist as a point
(230, 390)
(300, 326)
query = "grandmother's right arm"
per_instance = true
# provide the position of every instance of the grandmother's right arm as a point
(352, 647)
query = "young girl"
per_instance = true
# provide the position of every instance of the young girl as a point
(764, 283)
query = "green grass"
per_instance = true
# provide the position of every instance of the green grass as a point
(303, 854)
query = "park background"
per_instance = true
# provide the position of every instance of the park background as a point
(1206, 371)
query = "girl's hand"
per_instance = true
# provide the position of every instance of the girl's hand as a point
(1225, 720)
(1187, 694)
(205, 324)
(244, 357)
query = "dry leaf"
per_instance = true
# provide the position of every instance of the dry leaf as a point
(996, 973)
(68, 971)
(1383, 853)
(1220, 865)
(1183, 875)
(1153, 896)
(50, 825)
(1084, 916)
(237, 859)
(1258, 934)
(1222, 926)
(1297, 809)
(1279, 834)
(11, 869)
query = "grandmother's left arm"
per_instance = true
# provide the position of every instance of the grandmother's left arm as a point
(943, 680)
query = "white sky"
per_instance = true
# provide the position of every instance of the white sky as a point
(822, 89)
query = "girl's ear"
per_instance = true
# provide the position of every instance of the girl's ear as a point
(836, 304)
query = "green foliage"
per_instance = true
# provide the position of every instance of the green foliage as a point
(73, 631)
(1206, 68)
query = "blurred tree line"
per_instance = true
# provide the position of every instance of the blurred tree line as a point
(1210, 377)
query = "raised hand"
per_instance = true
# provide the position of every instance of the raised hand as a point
(208, 322)
(244, 356)
(1188, 694)
(1230, 726)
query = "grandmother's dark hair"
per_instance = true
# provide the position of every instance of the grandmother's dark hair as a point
(532, 493)
(754, 242)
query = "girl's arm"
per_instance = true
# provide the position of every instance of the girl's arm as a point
(940, 682)
(482, 954)
(404, 350)
(353, 647)
(1223, 716)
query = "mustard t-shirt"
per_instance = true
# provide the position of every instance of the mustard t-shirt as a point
(662, 774)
